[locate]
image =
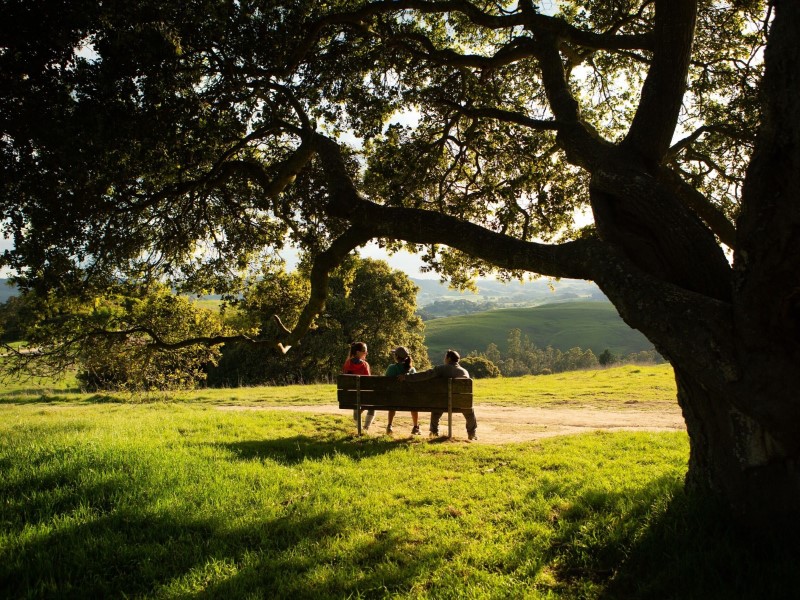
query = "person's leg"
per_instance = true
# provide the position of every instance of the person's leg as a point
(368, 420)
(472, 424)
(390, 420)
(415, 421)
(435, 416)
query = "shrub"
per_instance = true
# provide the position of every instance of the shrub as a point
(480, 367)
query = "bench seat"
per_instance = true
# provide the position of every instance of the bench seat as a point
(387, 393)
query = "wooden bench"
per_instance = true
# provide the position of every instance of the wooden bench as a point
(387, 393)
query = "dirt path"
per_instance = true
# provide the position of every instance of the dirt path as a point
(506, 424)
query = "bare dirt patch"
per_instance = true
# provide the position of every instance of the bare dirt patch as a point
(506, 425)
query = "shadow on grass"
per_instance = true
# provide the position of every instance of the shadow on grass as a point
(695, 551)
(663, 543)
(35, 396)
(296, 449)
(131, 551)
(23, 397)
(128, 554)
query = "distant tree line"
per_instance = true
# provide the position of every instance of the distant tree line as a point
(522, 357)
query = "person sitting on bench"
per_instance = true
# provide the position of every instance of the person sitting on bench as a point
(449, 370)
(356, 364)
(402, 365)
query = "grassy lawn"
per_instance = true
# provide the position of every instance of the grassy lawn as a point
(645, 386)
(177, 499)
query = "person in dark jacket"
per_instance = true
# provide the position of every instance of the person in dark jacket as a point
(449, 370)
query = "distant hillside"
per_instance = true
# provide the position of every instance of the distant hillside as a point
(564, 325)
(6, 290)
(512, 294)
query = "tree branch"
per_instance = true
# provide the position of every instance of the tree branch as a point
(324, 263)
(506, 116)
(657, 114)
(419, 226)
(713, 217)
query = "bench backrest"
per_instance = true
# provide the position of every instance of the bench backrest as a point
(387, 393)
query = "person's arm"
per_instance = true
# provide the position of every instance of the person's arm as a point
(422, 375)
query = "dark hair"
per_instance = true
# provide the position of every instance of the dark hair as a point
(402, 356)
(357, 347)
(453, 356)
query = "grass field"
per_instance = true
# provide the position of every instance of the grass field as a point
(645, 385)
(566, 325)
(170, 497)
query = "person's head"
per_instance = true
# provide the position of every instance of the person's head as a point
(452, 357)
(356, 348)
(402, 357)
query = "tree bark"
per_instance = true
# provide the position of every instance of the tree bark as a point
(737, 459)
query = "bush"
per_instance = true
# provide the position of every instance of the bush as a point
(607, 358)
(480, 367)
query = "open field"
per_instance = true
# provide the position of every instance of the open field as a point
(181, 496)
(645, 386)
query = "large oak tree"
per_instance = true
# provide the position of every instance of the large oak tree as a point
(185, 139)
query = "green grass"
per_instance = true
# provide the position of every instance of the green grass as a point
(645, 386)
(177, 499)
(595, 325)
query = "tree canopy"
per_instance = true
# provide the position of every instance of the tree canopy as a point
(367, 301)
(192, 140)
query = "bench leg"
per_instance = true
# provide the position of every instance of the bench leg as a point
(449, 408)
(358, 404)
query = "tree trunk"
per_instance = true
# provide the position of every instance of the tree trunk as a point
(739, 460)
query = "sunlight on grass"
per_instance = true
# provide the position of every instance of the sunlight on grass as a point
(174, 498)
(643, 386)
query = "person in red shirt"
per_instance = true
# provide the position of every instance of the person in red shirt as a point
(356, 364)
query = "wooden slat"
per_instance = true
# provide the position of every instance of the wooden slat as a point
(387, 393)
(349, 382)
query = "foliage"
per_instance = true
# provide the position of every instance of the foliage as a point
(130, 364)
(367, 302)
(192, 120)
(480, 367)
(117, 341)
(607, 358)
(14, 313)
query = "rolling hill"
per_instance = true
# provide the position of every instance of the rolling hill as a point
(563, 325)
(512, 293)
